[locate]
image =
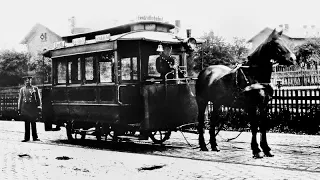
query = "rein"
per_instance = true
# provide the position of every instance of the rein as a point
(235, 70)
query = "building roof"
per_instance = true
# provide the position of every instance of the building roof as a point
(292, 33)
(265, 32)
(33, 30)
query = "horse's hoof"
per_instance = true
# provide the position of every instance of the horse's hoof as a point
(268, 154)
(258, 155)
(203, 149)
(215, 149)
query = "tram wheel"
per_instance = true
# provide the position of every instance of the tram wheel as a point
(98, 131)
(70, 130)
(158, 137)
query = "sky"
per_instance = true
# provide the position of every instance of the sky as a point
(226, 18)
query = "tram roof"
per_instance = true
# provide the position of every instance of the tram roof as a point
(163, 37)
(115, 30)
(93, 46)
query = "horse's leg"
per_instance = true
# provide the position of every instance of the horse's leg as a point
(263, 132)
(252, 114)
(201, 109)
(213, 119)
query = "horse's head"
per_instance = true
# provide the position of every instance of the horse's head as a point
(277, 50)
(273, 50)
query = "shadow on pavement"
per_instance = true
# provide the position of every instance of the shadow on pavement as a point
(123, 146)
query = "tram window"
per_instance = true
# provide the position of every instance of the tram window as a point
(89, 64)
(134, 68)
(74, 70)
(177, 59)
(106, 67)
(152, 70)
(129, 68)
(61, 72)
(125, 69)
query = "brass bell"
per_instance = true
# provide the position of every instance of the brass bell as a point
(160, 48)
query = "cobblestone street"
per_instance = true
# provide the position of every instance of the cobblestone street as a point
(296, 157)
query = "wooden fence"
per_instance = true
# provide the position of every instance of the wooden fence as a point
(9, 102)
(295, 100)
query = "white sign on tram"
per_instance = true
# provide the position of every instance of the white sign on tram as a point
(102, 37)
(79, 41)
(59, 44)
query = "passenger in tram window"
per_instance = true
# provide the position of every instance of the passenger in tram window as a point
(29, 108)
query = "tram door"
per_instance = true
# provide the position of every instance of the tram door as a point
(129, 95)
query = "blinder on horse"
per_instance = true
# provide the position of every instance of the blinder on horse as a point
(249, 84)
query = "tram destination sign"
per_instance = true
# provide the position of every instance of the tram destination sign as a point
(102, 37)
(150, 18)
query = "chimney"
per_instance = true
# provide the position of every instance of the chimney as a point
(305, 28)
(281, 27)
(72, 24)
(177, 26)
(188, 33)
(286, 27)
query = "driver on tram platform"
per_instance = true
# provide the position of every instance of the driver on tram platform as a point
(166, 63)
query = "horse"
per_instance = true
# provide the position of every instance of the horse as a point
(246, 86)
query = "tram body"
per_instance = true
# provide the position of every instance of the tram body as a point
(107, 80)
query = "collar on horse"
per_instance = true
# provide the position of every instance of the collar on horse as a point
(248, 85)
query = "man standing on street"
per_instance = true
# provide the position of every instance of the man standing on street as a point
(29, 107)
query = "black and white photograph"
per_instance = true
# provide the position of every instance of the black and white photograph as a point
(148, 90)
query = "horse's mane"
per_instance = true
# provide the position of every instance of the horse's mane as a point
(252, 57)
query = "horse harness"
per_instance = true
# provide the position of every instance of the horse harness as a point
(248, 85)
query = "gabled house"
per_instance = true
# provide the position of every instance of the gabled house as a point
(293, 36)
(39, 38)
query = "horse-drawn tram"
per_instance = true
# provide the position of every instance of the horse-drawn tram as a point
(125, 80)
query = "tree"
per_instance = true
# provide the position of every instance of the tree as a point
(41, 66)
(216, 51)
(308, 54)
(13, 66)
(239, 48)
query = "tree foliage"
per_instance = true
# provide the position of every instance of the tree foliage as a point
(308, 54)
(41, 66)
(215, 50)
(13, 65)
